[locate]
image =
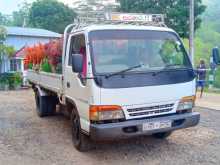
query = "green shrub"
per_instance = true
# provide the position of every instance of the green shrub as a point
(217, 79)
(17, 79)
(3, 81)
(12, 80)
(30, 66)
(45, 66)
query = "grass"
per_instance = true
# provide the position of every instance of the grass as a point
(213, 90)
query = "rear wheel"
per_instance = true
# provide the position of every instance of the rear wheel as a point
(162, 135)
(81, 141)
(51, 107)
(45, 105)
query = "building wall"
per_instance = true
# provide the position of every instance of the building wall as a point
(4, 64)
(20, 41)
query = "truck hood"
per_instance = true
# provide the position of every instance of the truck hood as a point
(149, 97)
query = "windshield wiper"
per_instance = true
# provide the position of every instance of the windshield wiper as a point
(123, 71)
(169, 67)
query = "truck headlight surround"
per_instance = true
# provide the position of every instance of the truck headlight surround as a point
(105, 112)
(186, 103)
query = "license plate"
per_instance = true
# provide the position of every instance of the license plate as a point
(156, 125)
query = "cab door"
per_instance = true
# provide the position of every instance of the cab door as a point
(76, 87)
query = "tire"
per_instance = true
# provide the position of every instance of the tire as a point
(45, 105)
(162, 135)
(51, 105)
(80, 141)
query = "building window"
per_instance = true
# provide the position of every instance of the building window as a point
(15, 65)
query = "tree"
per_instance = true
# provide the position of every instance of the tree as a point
(2, 34)
(2, 19)
(5, 19)
(83, 7)
(20, 17)
(88, 5)
(176, 11)
(212, 11)
(51, 15)
(4, 49)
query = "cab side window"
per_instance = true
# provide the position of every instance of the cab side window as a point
(77, 42)
(78, 46)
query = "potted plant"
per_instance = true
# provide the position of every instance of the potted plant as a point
(45, 66)
(53, 51)
(47, 57)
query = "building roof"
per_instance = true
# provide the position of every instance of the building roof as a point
(20, 31)
(20, 53)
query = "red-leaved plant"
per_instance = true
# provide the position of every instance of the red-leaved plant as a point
(35, 55)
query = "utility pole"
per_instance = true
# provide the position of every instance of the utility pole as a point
(24, 22)
(191, 32)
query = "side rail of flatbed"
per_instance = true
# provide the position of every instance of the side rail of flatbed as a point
(49, 81)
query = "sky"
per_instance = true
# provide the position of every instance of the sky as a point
(8, 6)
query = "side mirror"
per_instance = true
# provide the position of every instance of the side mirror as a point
(216, 56)
(77, 63)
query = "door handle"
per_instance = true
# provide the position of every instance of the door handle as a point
(68, 84)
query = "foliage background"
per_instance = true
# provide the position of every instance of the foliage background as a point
(53, 15)
(176, 12)
(208, 35)
(5, 49)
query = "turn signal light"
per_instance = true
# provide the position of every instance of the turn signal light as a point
(186, 103)
(105, 112)
(188, 98)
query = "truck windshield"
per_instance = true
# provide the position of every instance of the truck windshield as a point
(116, 50)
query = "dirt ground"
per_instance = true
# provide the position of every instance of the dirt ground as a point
(27, 139)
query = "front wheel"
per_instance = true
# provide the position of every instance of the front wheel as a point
(162, 135)
(81, 141)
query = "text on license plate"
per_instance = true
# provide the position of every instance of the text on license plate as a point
(156, 125)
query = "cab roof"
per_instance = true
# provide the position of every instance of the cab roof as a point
(122, 27)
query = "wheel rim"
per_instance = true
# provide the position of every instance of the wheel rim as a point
(75, 129)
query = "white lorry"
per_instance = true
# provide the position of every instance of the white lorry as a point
(132, 78)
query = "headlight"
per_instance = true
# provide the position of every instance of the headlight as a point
(186, 103)
(106, 112)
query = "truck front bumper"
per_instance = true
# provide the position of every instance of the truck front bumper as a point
(132, 128)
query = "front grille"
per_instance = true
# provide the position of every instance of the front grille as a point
(151, 110)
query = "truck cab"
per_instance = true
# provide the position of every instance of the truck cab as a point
(126, 78)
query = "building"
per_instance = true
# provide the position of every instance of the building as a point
(19, 38)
